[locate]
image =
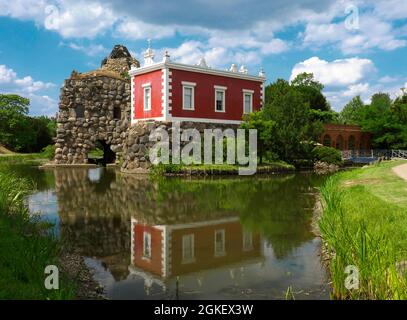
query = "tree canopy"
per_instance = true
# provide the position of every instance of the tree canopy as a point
(298, 109)
(385, 119)
(20, 132)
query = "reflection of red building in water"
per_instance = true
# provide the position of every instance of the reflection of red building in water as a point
(345, 137)
(165, 251)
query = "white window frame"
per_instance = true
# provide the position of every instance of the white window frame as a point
(189, 85)
(223, 250)
(223, 90)
(248, 92)
(188, 237)
(146, 86)
(148, 236)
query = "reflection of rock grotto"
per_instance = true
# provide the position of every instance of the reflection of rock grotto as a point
(97, 214)
(95, 211)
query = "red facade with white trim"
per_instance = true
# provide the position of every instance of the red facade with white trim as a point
(154, 79)
(167, 80)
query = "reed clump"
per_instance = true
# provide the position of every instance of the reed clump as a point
(27, 245)
(366, 232)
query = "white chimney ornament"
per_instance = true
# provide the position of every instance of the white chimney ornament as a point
(202, 63)
(166, 57)
(243, 69)
(233, 68)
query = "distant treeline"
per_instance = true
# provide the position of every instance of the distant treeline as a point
(291, 121)
(384, 118)
(288, 125)
(19, 131)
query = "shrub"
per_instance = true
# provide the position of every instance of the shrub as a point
(327, 154)
(161, 169)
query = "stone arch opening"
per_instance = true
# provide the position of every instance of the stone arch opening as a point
(339, 142)
(327, 141)
(101, 153)
(108, 155)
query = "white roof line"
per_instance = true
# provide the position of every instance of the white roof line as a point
(194, 68)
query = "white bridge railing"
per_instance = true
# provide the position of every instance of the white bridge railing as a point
(374, 154)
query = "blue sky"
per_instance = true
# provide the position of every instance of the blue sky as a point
(352, 47)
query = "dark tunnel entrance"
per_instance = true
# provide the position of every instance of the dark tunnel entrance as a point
(101, 154)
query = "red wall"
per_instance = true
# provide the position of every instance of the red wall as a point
(335, 131)
(205, 95)
(155, 78)
(154, 264)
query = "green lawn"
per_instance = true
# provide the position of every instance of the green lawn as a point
(364, 223)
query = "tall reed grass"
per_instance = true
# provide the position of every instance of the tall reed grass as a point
(351, 239)
(27, 245)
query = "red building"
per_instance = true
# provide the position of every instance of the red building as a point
(169, 91)
(345, 137)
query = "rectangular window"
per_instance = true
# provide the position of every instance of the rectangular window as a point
(147, 98)
(219, 100)
(80, 111)
(117, 113)
(247, 240)
(147, 245)
(188, 98)
(219, 243)
(247, 102)
(188, 250)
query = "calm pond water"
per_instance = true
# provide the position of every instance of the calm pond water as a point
(213, 238)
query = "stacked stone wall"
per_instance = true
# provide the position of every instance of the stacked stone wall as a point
(137, 144)
(87, 114)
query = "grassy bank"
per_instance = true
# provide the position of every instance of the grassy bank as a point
(35, 158)
(26, 245)
(217, 169)
(364, 224)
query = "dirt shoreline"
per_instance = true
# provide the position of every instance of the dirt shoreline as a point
(324, 254)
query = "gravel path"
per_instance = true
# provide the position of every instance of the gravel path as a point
(401, 171)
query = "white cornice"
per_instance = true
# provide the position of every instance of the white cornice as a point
(180, 66)
(186, 83)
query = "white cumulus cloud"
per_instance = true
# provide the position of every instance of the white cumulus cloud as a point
(29, 88)
(339, 72)
(90, 50)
